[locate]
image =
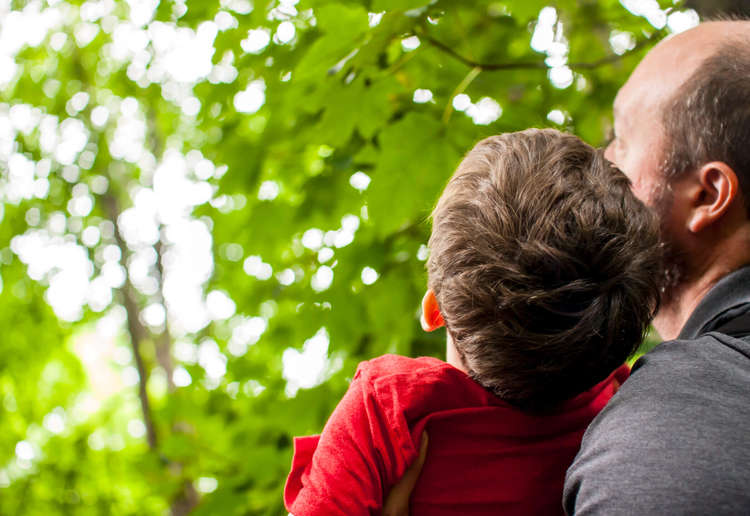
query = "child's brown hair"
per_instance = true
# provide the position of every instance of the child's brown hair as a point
(544, 264)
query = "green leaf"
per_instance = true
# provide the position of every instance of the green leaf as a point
(377, 106)
(416, 160)
(341, 113)
(343, 27)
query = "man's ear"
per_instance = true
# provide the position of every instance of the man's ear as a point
(431, 318)
(717, 189)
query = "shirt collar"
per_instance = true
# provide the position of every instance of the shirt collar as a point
(729, 297)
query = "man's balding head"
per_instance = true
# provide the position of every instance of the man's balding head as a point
(682, 136)
(674, 96)
(707, 118)
(671, 62)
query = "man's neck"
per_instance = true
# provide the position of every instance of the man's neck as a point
(674, 313)
(729, 253)
(684, 299)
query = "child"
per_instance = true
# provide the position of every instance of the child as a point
(543, 269)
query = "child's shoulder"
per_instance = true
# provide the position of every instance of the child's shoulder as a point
(389, 365)
(424, 383)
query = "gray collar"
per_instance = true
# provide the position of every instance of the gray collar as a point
(727, 299)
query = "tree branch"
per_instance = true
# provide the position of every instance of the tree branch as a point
(482, 66)
(187, 497)
(613, 58)
(137, 331)
(460, 89)
(164, 339)
(532, 65)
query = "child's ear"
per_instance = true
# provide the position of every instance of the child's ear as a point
(431, 318)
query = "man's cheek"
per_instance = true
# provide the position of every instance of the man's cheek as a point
(609, 152)
(644, 193)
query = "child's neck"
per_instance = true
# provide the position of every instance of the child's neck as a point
(452, 356)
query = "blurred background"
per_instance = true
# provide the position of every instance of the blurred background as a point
(211, 211)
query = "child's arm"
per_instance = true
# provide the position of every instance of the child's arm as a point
(363, 449)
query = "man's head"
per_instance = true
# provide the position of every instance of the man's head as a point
(682, 127)
(543, 264)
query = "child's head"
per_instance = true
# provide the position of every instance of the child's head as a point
(544, 266)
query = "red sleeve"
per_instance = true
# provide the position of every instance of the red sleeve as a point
(359, 455)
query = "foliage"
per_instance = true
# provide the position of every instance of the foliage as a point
(211, 211)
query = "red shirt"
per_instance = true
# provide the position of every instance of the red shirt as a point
(484, 456)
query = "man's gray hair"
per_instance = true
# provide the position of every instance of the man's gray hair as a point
(708, 117)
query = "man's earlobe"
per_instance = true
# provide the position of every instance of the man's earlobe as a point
(431, 318)
(719, 189)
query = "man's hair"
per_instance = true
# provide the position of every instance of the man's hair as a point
(708, 117)
(544, 265)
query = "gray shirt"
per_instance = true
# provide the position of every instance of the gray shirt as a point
(675, 439)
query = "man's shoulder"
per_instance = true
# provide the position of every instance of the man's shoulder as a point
(708, 367)
(674, 431)
(682, 383)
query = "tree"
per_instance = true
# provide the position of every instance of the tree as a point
(212, 211)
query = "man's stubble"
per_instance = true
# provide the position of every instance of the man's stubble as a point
(674, 264)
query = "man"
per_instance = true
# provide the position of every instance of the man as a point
(675, 439)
